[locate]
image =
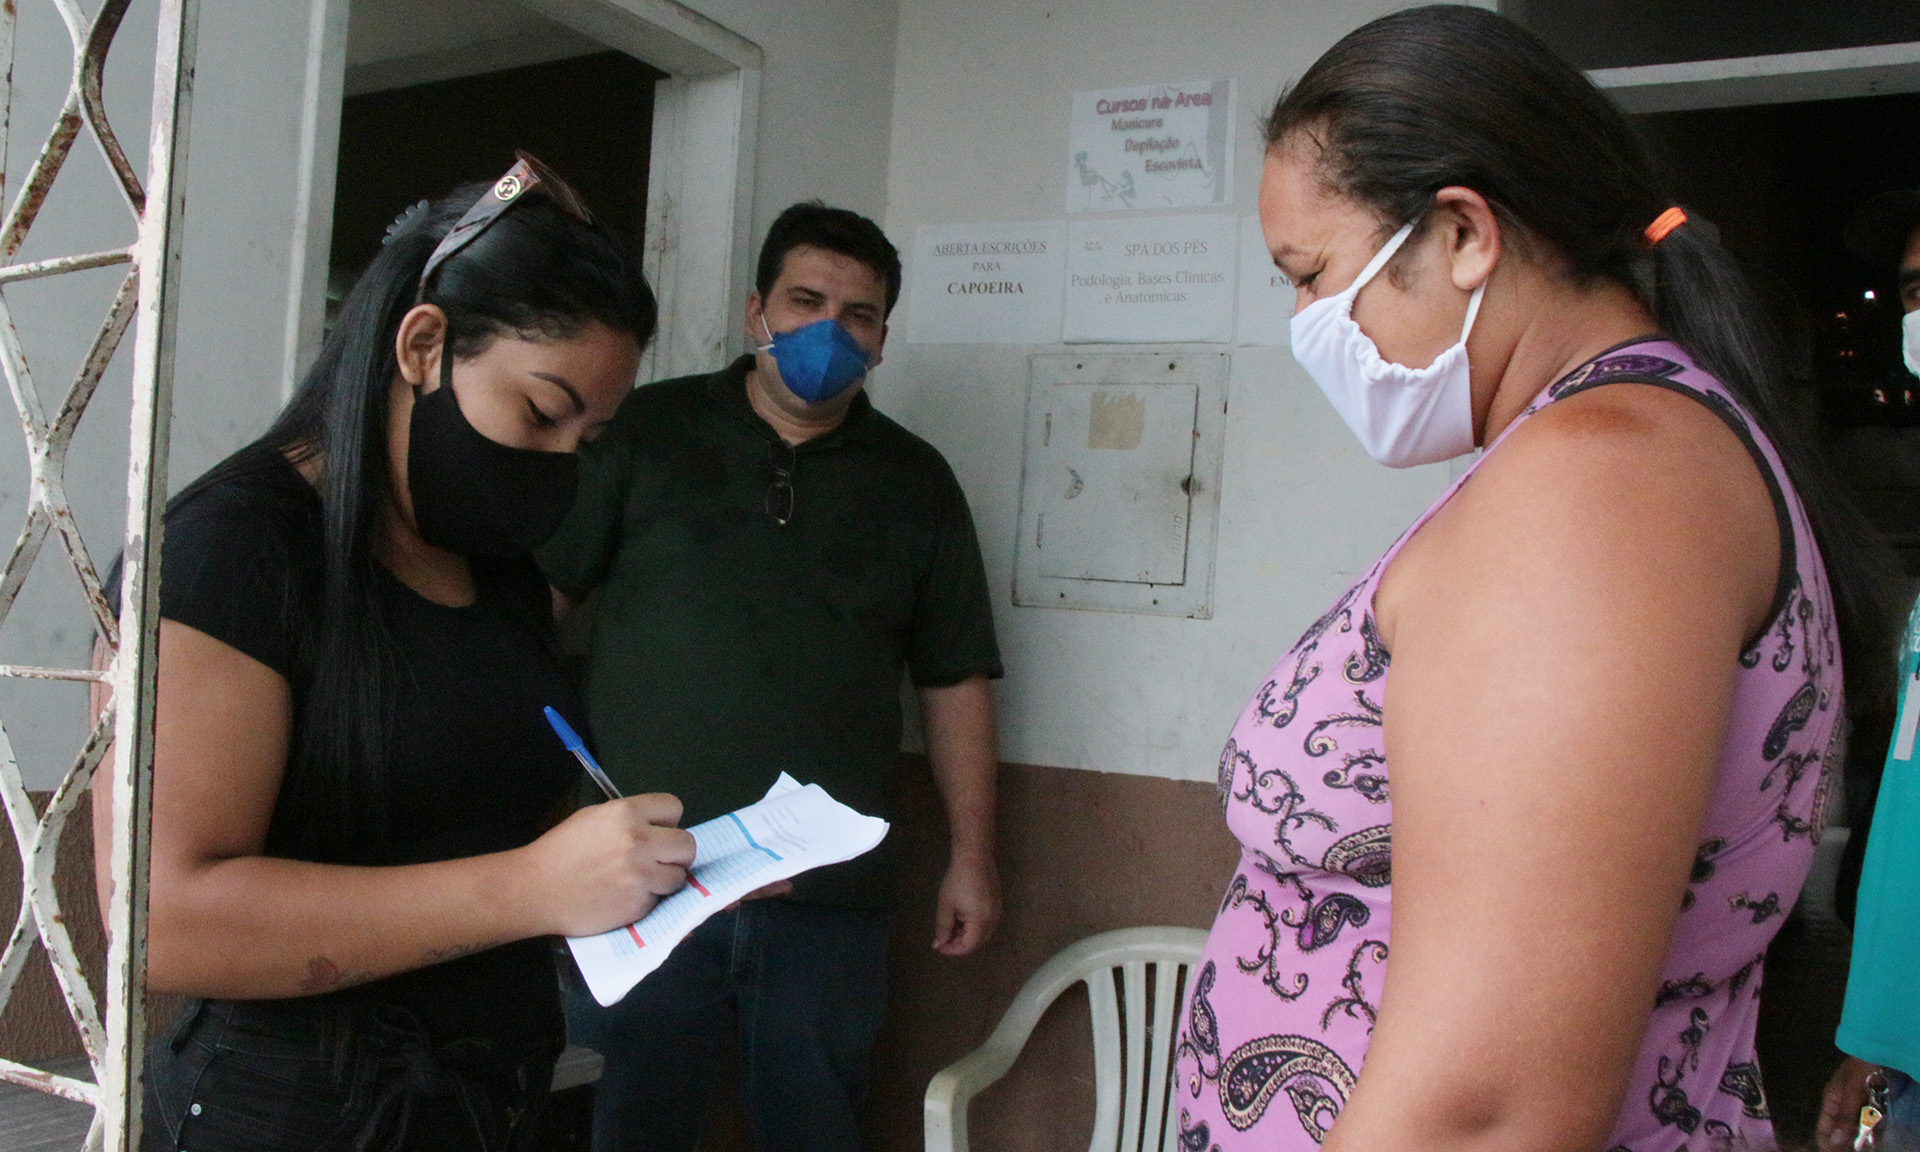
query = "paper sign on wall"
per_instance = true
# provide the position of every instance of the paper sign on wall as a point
(1266, 299)
(1151, 146)
(1165, 279)
(986, 283)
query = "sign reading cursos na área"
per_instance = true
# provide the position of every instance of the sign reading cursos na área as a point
(1151, 146)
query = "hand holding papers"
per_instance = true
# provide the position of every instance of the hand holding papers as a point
(793, 829)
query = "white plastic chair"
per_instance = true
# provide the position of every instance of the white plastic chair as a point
(1133, 1042)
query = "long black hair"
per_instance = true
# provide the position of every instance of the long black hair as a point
(536, 273)
(1449, 95)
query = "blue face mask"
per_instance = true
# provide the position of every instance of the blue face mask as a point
(818, 361)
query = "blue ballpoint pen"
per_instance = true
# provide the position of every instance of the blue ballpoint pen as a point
(578, 747)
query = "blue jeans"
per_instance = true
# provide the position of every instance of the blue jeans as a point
(804, 986)
(1901, 1131)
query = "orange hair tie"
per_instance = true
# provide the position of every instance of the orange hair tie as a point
(1664, 223)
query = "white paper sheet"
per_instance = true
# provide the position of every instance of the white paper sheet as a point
(1151, 146)
(1163, 279)
(986, 283)
(793, 829)
(1266, 299)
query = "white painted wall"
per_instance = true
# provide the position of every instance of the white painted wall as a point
(243, 178)
(980, 133)
(919, 112)
(240, 195)
(826, 101)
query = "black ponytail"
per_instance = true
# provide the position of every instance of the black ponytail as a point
(1449, 95)
(535, 272)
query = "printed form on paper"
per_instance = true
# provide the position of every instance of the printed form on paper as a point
(793, 829)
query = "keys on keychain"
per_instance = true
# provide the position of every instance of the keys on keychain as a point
(1870, 1116)
(1869, 1120)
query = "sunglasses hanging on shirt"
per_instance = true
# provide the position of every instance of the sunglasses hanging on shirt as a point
(781, 460)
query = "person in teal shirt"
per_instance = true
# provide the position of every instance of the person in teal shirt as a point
(1880, 1025)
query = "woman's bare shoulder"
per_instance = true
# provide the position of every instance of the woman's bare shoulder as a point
(1628, 484)
(1627, 449)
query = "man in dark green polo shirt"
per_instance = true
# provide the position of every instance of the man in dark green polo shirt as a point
(771, 555)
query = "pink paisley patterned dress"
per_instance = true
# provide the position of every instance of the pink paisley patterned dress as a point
(1277, 1021)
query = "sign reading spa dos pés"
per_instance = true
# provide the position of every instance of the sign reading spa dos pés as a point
(1150, 280)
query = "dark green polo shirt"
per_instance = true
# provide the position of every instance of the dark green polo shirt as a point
(728, 648)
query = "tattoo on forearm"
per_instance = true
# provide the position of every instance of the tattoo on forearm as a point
(455, 952)
(323, 975)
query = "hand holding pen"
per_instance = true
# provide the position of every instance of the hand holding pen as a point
(578, 747)
(608, 864)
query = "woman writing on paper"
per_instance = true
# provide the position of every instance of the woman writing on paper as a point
(1522, 810)
(355, 854)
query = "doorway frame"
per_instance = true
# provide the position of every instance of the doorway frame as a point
(700, 177)
(1782, 78)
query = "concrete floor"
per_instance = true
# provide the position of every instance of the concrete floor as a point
(33, 1121)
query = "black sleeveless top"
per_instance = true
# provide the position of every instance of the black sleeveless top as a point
(472, 766)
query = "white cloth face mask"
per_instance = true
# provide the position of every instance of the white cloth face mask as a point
(1910, 341)
(1402, 416)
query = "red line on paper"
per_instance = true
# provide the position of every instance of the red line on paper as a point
(698, 887)
(637, 942)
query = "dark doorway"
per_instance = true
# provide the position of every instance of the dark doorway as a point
(590, 118)
(1781, 181)
(1626, 33)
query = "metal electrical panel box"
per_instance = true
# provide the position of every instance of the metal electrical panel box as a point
(1119, 500)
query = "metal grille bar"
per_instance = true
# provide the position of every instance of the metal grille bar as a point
(146, 300)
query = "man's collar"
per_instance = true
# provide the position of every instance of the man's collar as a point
(728, 389)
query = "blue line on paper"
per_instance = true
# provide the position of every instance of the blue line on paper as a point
(750, 839)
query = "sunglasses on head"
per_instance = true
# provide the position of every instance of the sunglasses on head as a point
(526, 175)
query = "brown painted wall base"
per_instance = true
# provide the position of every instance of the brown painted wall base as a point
(35, 1025)
(1080, 852)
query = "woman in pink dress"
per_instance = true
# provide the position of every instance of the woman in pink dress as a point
(1522, 810)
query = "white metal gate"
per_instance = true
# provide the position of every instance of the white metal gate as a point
(113, 1039)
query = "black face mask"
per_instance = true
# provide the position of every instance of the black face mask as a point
(477, 496)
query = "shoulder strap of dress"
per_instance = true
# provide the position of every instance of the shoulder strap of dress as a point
(1646, 365)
